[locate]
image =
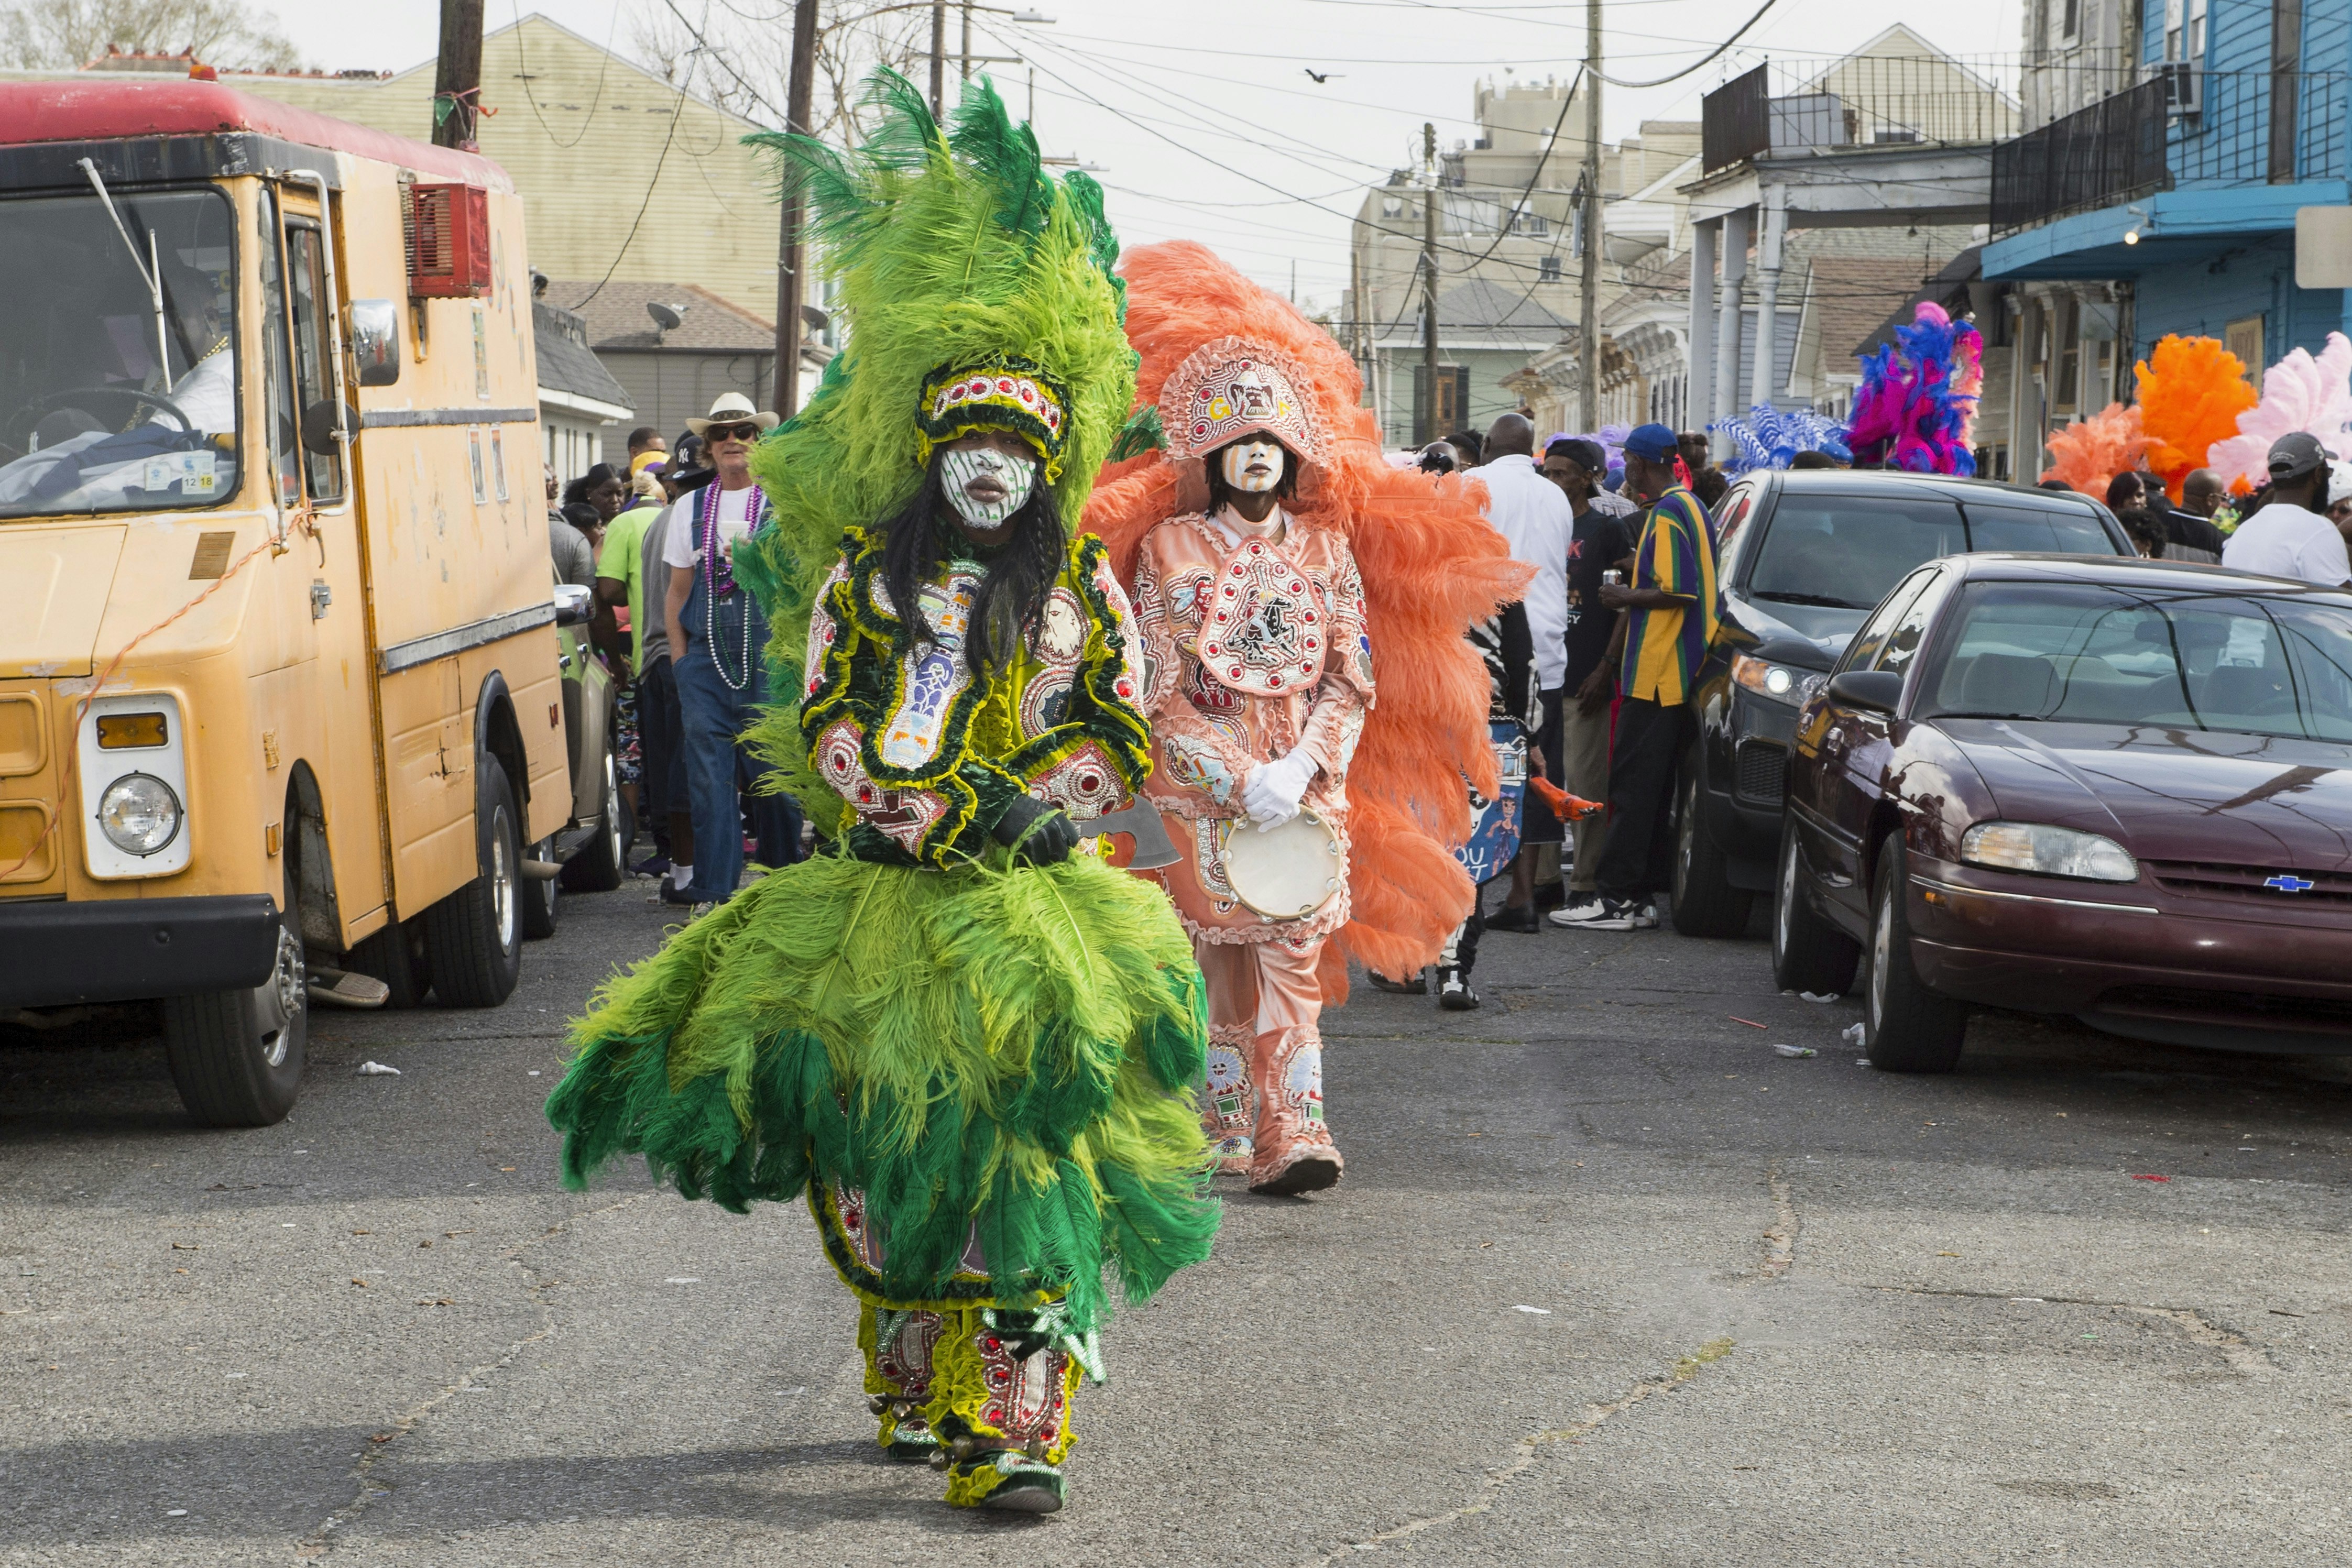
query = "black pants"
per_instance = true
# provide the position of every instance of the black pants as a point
(661, 759)
(1639, 855)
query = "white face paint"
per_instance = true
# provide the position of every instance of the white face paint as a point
(985, 486)
(1253, 464)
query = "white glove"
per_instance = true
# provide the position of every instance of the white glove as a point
(1272, 791)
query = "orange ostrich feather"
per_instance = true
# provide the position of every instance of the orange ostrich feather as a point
(2191, 391)
(1432, 566)
(2090, 453)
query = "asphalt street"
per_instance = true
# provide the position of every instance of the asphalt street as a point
(1608, 1282)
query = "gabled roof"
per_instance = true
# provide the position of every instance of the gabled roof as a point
(617, 317)
(565, 362)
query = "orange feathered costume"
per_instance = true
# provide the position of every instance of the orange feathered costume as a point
(2090, 453)
(2191, 391)
(1431, 565)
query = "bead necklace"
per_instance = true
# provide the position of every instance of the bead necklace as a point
(711, 591)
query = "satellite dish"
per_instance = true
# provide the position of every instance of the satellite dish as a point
(666, 316)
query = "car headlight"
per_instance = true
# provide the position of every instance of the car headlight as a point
(2052, 851)
(1782, 682)
(139, 814)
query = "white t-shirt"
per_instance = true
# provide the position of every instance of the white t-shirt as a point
(1534, 517)
(2281, 540)
(686, 523)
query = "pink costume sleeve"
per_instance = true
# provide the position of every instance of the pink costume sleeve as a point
(1335, 715)
(1170, 649)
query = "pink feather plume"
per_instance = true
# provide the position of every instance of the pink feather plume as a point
(2299, 392)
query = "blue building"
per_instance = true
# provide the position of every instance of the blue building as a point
(2165, 202)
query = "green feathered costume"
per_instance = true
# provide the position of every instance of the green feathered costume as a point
(981, 1074)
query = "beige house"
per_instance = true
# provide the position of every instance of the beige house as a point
(621, 174)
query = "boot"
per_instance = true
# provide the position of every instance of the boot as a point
(1294, 1152)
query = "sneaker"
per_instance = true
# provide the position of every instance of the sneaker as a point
(1581, 909)
(655, 865)
(706, 905)
(673, 894)
(1416, 987)
(1623, 915)
(1454, 992)
(1522, 920)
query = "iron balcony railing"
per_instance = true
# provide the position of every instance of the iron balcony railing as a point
(2179, 128)
(1791, 107)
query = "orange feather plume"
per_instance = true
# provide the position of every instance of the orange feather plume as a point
(1432, 566)
(2191, 391)
(2088, 454)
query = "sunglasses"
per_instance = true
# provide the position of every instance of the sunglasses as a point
(748, 431)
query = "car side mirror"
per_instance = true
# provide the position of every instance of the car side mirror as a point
(375, 340)
(574, 605)
(1867, 691)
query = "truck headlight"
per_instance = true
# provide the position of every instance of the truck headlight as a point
(2052, 851)
(139, 814)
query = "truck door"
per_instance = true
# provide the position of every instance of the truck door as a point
(310, 446)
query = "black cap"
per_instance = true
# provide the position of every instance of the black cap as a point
(2296, 454)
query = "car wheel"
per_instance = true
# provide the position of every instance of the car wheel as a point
(1706, 903)
(1906, 1028)
(1809, 954)
(237, 1056)
(395, 956)
(599, 866)
(539, 897)
(474, 938)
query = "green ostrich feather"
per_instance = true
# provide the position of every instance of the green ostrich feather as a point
(947, 247)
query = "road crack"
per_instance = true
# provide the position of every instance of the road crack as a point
(1780, 1242)
(2242, 1354)
(319, 1540)
(1524, 1456)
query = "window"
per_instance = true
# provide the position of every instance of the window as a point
(314, 375)
(2061, 530)
(2243, 337)
(1547, 269)
(278, 376)
(2286, 60)
(1844, 552)
(105, 404)
(2069, 20)
(2067, 393)
(1860, 652)
(1903, 641)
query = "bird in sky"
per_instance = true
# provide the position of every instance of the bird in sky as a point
(1320, 76)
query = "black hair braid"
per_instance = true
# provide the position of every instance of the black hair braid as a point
(1009, 610)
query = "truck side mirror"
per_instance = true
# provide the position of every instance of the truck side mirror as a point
(375, 340)
(319, 422)
(574, 605)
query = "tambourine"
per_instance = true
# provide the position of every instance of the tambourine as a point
(1286, 872)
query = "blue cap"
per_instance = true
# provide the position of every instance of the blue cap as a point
(1651, 443)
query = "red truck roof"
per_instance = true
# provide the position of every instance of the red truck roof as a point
(99, 109)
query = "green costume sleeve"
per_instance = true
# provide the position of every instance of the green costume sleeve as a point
(888, 732)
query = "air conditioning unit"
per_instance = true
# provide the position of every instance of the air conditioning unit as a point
(448, 229)
(2184, 86)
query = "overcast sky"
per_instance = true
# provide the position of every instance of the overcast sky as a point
(1202, 113)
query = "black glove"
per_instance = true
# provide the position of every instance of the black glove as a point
(1039, 834)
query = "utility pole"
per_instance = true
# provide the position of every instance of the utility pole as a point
(938, 58)
(1589, 313)
(1435, 193)
(792, 250)
(967, 40)
(457, 77)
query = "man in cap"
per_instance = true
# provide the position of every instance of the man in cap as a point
(1670, 618)
(717, 638)
(2291, 537)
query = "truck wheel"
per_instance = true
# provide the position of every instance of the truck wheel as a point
(599, 867)
(1809, 954)
(539, 897)
(394, 956)
(473, 938)
(1906, 1028)
(1706, 903)
(237, 1056)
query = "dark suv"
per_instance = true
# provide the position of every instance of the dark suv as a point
(1803, 556)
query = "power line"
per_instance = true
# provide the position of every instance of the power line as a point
(652, 185)
(1703, 59)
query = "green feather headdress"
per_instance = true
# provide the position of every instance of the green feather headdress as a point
(951, 248)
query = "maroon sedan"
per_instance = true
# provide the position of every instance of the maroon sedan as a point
(2066, 784)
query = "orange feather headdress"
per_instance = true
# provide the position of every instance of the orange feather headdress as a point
(2191, 391)
(2088, 454)
(1432, 566)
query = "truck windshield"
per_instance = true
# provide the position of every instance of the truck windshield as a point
(106, 404)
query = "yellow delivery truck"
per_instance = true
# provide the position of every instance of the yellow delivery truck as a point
(282, 693)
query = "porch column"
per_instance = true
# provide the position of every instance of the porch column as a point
(1765, 381)
(1725, 402)
(1699, 386)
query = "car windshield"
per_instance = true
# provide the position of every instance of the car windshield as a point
(106, 404)
(1847, 551)
(2087, 653)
